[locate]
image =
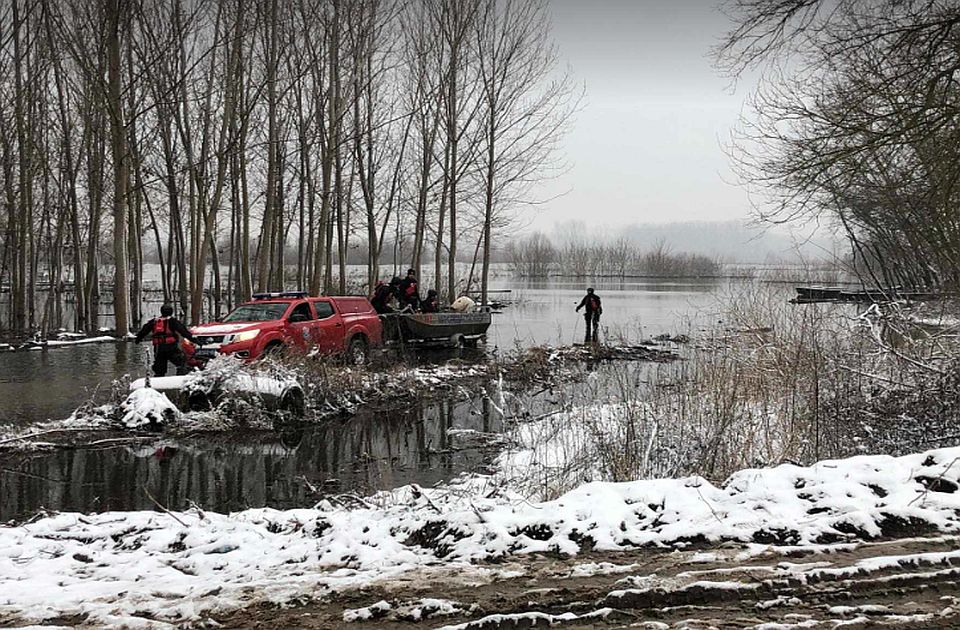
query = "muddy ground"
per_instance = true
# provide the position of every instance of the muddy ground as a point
(726, 587)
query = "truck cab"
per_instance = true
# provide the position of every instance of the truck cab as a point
(272, 322)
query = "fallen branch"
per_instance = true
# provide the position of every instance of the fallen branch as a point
(122, 440)
(21, 438)
(159, 505)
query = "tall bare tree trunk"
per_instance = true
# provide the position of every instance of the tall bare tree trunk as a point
(118, 149)
(268, 229)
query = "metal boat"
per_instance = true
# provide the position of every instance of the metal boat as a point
(444, 327)
(806, 295)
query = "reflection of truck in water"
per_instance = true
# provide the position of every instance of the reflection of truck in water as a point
(336, 325)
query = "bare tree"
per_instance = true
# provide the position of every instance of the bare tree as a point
(524, 108)
(858, 123)
(225, 136)
(115, 17)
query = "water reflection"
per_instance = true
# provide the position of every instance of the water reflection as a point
(371, 451)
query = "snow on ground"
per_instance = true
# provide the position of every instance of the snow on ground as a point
(82, 340)
(119, 567)
(417, 610)
(534, 619)
(147, 408)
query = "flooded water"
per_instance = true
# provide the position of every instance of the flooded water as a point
(543, 312)
(424, 443)
(41, 385)
(293, 468)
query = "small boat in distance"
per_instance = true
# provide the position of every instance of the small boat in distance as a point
(818, 293)
(809, 295)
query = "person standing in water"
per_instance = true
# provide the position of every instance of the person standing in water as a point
(591, 302)
(166, 332)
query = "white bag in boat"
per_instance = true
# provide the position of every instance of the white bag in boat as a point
(463, 304)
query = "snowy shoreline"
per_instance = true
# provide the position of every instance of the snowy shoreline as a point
(115, 568)
(62, 340)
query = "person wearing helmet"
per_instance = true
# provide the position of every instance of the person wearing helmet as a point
(591, 314)
(166, 332)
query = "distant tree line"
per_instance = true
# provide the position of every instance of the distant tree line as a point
(857, 122)
(224, 133)
(535, 256)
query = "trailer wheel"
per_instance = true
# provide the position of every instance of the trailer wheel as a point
(357, 351)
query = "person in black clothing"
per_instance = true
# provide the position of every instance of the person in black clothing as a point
(431, 304)
(166, 331)
(591, 302)
(382, 295)
(410, 290)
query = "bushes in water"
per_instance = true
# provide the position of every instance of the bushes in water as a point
(535, 256)
(770, 383)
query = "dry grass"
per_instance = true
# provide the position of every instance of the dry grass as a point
(771, 383)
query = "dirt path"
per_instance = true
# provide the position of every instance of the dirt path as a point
(901, 583)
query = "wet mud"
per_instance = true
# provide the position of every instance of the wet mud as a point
(907, 583)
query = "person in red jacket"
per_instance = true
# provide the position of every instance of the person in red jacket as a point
(591, 302)
(166, 332)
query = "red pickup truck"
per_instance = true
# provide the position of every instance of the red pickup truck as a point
(344, 325)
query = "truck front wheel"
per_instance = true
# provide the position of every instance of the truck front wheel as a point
(273, 349)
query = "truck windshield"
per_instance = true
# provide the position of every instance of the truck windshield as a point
(256, 313)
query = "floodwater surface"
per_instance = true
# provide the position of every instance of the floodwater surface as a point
(295, 467)
(544, 311)
(373, 450)
(41, 385)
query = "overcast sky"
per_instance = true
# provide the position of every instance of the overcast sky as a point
(647, 145)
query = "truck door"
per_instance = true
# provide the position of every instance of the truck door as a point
(300, 324)
(329, 327)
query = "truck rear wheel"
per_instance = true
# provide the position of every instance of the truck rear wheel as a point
(357, 351)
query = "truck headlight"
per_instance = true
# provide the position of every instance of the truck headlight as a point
(246, 335)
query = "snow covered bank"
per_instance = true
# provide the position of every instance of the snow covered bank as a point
(124, 567)
(147, 408)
